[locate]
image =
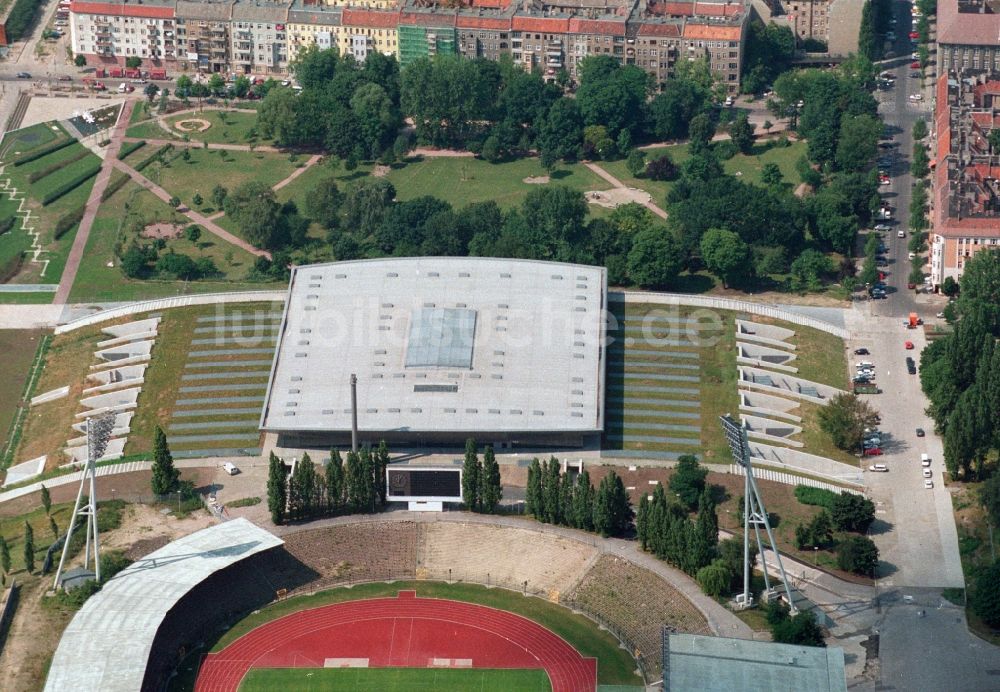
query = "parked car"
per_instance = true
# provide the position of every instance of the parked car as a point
(861, 351)
(914, 34)
(873, 452)
(65, 78)
(928, 484)
(920, 432)
(879, 468)
(915, 65)
(24, 75)
(925, 459)
(927, 473)
(860, 379)
(908, 345)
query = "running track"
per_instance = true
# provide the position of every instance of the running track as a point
(403, 631)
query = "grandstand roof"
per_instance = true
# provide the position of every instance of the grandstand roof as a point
(107, 644)
(698, 663)
(446, 344)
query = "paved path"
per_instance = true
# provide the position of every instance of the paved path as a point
(93, 203)
(313, 160)
(619, 184)
(196, 217)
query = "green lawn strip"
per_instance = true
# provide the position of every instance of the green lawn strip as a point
(20, 349)
(818, 442)
(615, 665)
(55, 180)
(463, 180)
(228, 127)
(718, 391)
(23, 140)
(96, 281)
(15, 241)
(140, 111)
(150, 130)
(208, 167)
(821, 356)
(26, 298)
(394, 680)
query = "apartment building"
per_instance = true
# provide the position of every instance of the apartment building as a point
(968, 35)
(966, 177)
(835, 23)
(264, 36)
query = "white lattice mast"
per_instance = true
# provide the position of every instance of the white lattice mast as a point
(98, 432)
(754, 515)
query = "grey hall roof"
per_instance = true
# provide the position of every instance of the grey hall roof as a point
(441, 344)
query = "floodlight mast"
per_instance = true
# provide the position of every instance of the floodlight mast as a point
(98, 433)
(754, 513)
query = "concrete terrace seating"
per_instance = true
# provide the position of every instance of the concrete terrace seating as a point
(765, 380)
(376, 551)
(638, 603)
(765, 356)
(501, 555)
(123, 352)
(764, 333)
(767, 405)
(771, 430)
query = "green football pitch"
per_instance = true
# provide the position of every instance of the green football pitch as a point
(394, 680)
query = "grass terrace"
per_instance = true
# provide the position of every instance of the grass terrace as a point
(19, 348)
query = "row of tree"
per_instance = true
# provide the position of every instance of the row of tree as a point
(481, 486)
(338, 488)
(555, 497)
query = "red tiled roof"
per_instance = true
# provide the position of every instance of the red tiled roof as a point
(502, 4)
(466, 22)
(426, 19)
(991, 87)
(717, 9)
(122, 10)
(596, 26)
(966, 28)
(673, 9)
(726, 8)
(657, 29)
(712, 33)
(551, 25)
(369, 18)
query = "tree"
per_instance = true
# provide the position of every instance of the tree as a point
(701, 131)
(323, 202)
(986, 596)
(635, 162)
(381, 460)
(302, 489)
(277, 491)
(858, 142)
(175, 201)
(54, 528)
(868, 46)
(80, 60)
(771, 175)
(920, 131)
(857, 554)
(471, 472)
(197, 200)
(151, 91)
(715, 578)
(219, 195)
(920, 165)
(550, 492)
(845, 418)
(29, 548)
(583, 502)
(253, 207)
(661, 168)
(46, 499)
(366, 204)
(335, 489)
(800, 629)
(707, 523)
(726, 255)
(655, 259)
(4, 555)
(164, 475)
(216, 84)
(534, 502)
(688, 480)
(612, 511)
(741, 133)
(492, 489)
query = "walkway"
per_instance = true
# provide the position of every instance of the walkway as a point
(196, 217)
(313, 160)
(622, 186)
(93, 204)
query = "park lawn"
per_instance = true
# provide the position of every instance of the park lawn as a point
(207, 168)
(818, 442)
(394, 680)
(228, 127)
(19, 348)
(615, 666)
(140, 111)
(24, 140)
(15, 241)
(658, 189)
(464, 180)
(97, 282)
(822, 357)
(149, 129)
(51, 182)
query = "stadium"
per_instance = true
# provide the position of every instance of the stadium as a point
(509, 352)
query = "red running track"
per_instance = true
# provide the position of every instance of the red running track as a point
(400, 632)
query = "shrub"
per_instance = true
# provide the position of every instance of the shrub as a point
(38, 153)
(70, 185)
(67, 221)
(21, 18)
(9, 270)
(852, 512)
(857, 554)
(244, 502)
(114, 186)
(7, 224)
(35, 176)
(815, 496)
(130, 147)
(155, 156)
(661, 168)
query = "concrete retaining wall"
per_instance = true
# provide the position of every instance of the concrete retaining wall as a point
(112, 399)
(175, 302)
(768, 331)
(769, 426)
(802, 462)
(132, 328)
(777, 403)
(125, 351)
(765, 354)
(788, 479)
(50, 395)
(716, 303)
(786, 384)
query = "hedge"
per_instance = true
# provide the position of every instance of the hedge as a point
(153, 157)
(35, 176)
(13, 266)
(115, 185)
(21, 18)
(72, 184)
(820, 497)
(38, 153)
(67, 221)
(7, 224)
(129, 147)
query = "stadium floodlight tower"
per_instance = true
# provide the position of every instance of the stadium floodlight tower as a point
(754, 515)
(98, 433)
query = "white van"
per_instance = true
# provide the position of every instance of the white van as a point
(230, 468)
(925, 460)
(862, 364)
